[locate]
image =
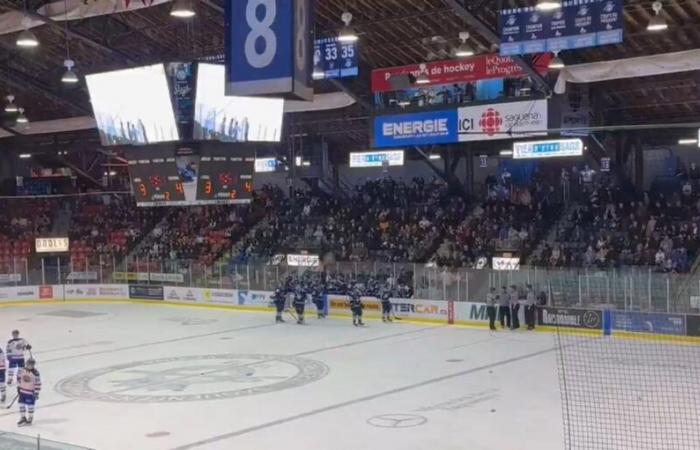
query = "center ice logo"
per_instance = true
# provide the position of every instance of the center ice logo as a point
(193, 378)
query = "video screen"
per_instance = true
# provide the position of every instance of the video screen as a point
(133, 106)
(233, 119)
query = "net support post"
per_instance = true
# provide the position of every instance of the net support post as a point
(607, 322)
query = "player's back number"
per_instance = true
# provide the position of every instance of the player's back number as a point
(260, 28)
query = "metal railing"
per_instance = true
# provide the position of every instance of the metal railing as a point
(639, 289)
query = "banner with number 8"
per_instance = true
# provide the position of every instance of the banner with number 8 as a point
(268, 48)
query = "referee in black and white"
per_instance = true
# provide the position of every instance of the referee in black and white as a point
(504, 308)
(530, 311)
(491, 308)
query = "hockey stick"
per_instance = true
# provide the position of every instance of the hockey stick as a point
(12, 402)
(393, 314)
(289, 311)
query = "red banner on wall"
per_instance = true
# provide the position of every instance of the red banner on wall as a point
(482, 67)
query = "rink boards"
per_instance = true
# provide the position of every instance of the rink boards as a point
(631, 324)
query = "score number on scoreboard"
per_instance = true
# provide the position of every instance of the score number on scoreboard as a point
(156, 182)
(225, 179)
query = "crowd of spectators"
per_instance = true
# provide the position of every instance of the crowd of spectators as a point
(107, 226)
(198, 233)
(613, 227)
(511, 219)
(22, 222)
(385, 219)
(605, 224)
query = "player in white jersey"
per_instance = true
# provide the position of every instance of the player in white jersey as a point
(29, 386)
(15, 354)
(2, 377)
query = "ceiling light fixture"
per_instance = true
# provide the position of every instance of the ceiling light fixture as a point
(687, 141)
(11, 107)
(318, 73)
(21, 118)
(464, 50)
(183, 9)
(548, 5)
(27, 39)
(69, 76)
(422, 79)
(506, 153)
(347, 33)
(657, 23)
(556, 63)
(25, 155)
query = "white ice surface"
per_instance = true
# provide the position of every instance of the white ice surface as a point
(500, 394)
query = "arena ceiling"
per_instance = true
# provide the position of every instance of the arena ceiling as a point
(392, 32)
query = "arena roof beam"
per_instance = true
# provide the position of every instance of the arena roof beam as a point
(490, 35)
(21, 79)
(77, 34)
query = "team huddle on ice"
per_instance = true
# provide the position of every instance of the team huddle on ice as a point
(298, 294)
(28, 379)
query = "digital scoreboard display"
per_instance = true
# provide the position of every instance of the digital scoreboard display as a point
(225, 179)
(156, 182)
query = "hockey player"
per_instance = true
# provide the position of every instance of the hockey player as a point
(299, 304)
(15, 354)
(2, 377)
(385, 297)
(279, 298)
(356, 307)
(29, 386)
(319, 300)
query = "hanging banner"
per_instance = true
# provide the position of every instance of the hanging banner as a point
(435, 127)
(335, 59)
(547, 149)
(472, 123)
(181, 80)
(503, 121)
(483, 67)
(268, 48)
(578, 24)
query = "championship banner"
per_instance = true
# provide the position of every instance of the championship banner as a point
(483, 67)
(578, 24)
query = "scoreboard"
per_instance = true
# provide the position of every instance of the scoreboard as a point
(225, 179)
(156, 182)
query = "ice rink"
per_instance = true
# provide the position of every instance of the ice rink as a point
(138, 376)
